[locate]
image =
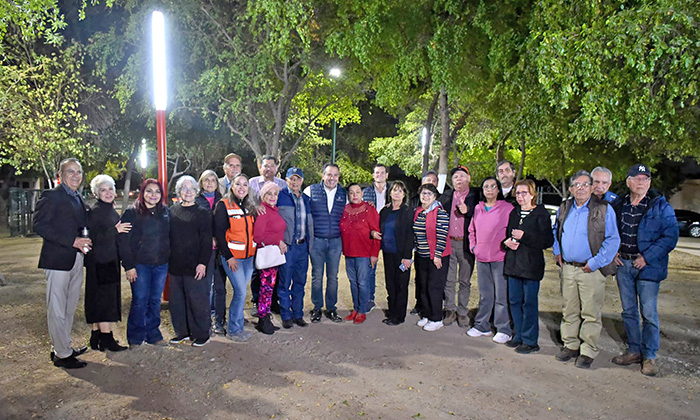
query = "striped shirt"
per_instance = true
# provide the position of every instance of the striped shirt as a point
(631, 217)
(443, 223)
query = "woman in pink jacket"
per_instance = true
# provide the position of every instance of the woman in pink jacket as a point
(486, 232)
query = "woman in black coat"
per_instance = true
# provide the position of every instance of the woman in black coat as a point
(396, 224)
(528, 234)
(103, 300)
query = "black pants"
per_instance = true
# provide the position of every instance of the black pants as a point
(189, 306)
(432, 284)
(396, 286)
(215, 272)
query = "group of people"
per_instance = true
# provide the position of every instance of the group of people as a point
(263, 231)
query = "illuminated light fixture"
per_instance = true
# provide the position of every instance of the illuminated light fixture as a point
(159, 81)
(335, 72)
(144, 155)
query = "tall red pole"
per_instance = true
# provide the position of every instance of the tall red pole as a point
(162, 153)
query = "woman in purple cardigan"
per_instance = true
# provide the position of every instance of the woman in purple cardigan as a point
(268, 231)
(486, 232)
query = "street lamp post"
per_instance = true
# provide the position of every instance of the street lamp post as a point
(161, 96)
(334, 73)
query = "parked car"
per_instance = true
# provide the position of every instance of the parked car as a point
(688, 223)
(552, 212)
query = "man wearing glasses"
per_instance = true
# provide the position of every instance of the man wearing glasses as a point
(586, 241)
(649, 232)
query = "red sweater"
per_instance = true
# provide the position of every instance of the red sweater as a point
(355, 226)
(269, 227)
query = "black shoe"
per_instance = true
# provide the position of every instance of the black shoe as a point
(108, 342)
(566, 354)
(179, 339)
(513, 344)
(584, 362)
(316, 316)
(95, 339)
(69, 362)
(333, 316)
(386, 320)
(287, 323)
(300, 322)
(371, 306)
(414, 311)
(393, 322)
(219, 329)
(265, 325)
(527, 349)
(200, 342)
(76, 352)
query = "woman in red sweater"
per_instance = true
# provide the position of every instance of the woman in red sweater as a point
(268, 231)
(358, 227)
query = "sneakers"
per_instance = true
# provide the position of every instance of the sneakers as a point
(351, 317)
(316, 316)
(463, 321)
(240, 337)
(200, 342)
(473, 332)
(254, 310)
(649, 367)
(333, 316)
(626, 359)
(584, 362)
(566, 354)
(414, 311)
(501, 338)
(370, 306)
(449, 318)
(527, 349)
(219, 329)
(359, 319)
(512, 343)
(422, 322)
(179, 339)
(433, 326)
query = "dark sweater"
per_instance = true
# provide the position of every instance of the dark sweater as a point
(101, 221)
(148, 242)
(528, 260)
(190, 239)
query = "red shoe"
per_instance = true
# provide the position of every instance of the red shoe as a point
(351, 317)
(359, 319)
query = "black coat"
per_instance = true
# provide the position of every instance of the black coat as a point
(471, 201)
(148, 242)
(103, 234)
(528, 260)
(403, 229)
(202, 201)
(57, 220)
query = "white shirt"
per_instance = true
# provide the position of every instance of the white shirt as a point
(330, 196)
(381, 198)
(506, 190)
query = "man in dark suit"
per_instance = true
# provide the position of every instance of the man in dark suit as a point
(60, 215)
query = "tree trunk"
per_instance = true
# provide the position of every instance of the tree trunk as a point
(445, 140)
(519, 176)
(429, 134)
(127, 178)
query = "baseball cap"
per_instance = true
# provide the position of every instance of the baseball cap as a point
(639, 169)
(295, 171)
(460, 168)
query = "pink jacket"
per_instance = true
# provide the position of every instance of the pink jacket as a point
(488, 229)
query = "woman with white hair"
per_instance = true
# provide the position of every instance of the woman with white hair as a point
(190, 250)
(103, 300)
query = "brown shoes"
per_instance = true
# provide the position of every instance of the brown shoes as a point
(627, 359)
(450, 317)
(566, 354)
(649, 367)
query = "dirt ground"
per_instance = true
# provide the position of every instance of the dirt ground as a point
(345, 371)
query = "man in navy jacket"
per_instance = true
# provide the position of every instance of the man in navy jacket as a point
(60, 215)
(649, 232)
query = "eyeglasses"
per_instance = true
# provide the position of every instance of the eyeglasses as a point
(641, 180)
(579, 185)
(427, 192)
(490, 187)
(523, 193)
(188, 190)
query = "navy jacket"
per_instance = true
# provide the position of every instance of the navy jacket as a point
(326, 225)
(657, 235)
(285, 204)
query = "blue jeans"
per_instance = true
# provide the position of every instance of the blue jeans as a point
(146, 293)
(215, 275)
(522, 294)
(372, 281)
(639, 296)
(325, 253)
(239, 280)
(358, 269)
(292, 280)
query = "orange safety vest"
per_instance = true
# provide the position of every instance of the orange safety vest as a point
(239, 235)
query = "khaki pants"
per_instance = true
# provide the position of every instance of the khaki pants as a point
(460, 272)
(62, 295)
(584, 294)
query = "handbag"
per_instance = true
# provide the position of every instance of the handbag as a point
(269, 256)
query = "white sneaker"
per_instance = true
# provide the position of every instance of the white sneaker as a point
(422, 322)
(473, 332)
(432, 326)
(501, 338)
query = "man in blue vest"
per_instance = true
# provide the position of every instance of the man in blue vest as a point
(327, 201)
(649, 232)
(585, 243)
(295, 209)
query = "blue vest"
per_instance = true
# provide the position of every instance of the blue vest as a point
(326, 225)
